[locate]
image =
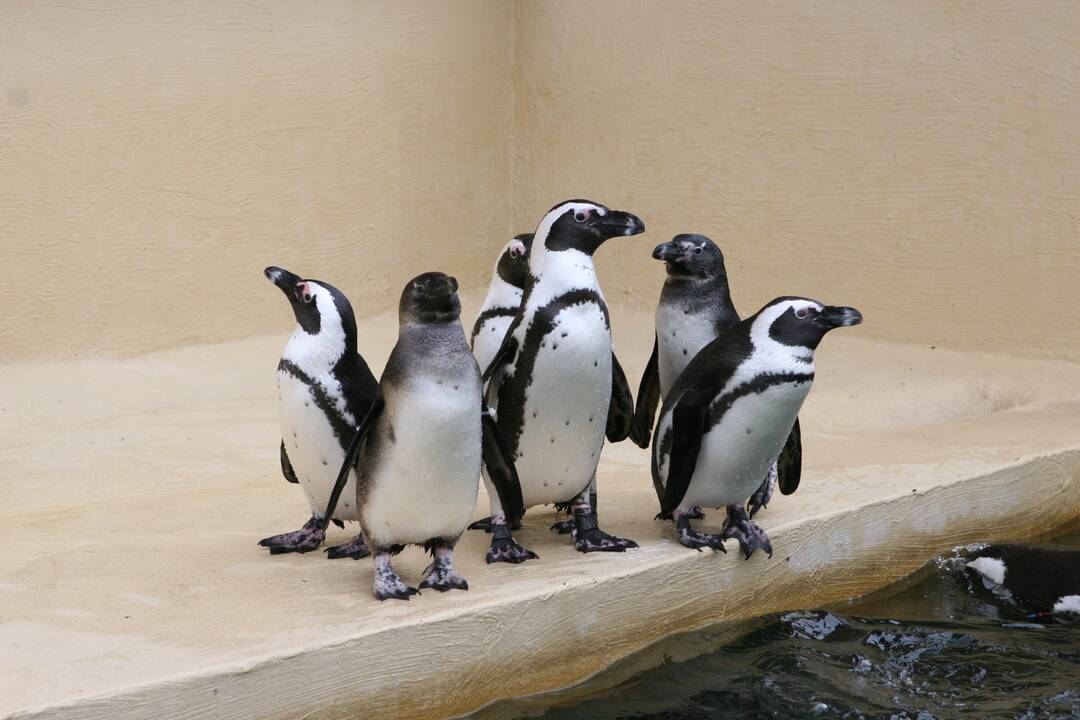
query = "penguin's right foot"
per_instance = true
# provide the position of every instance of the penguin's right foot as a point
(588, 537)
(440, 574)
(565, 527)
(691, 538)
(304, 540)
(751, 537)
(355, 549)
(485, 524)
(504, 548)
(387, 582)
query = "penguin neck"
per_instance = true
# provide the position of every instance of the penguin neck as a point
(317, 354)
(695, 294)
(501, 294)
(772, 355)
(558, 272)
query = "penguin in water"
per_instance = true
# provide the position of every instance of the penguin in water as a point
(695, 306)
(1039, 579)
(502, 300)
(730, 412)
(417, 453)
(324, 389)
(555, 385)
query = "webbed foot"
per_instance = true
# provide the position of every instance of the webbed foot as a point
(485, 524)
(760, 499)
(751, 537)
(440, 574)
(691, 538)
(355, 549)
(588, 537)
(303, 540)
(387, 582)
(504, 548)
(563, 527)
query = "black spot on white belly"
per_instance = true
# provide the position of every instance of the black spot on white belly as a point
(749, 430)
(684, 351)
(325, 463)
(565, 334)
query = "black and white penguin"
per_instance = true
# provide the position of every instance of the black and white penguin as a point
(502, 299)
(555, 385)
(729, 414)
(695, 306)
(1039, 579)
(417, 454)
(324, 389)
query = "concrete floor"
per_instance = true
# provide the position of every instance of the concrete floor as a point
(134, 491)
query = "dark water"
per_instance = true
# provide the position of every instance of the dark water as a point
(937, 645)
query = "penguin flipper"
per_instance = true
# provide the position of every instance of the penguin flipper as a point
(687, 427)
(789, 464)
(499, 462)
(503, 356)
(648, 397)
(620, 418)
(350, 455)
(286, 466)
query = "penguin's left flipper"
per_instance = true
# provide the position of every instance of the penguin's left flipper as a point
(620, 418)
(688, 424)
(304, 540)
(789, 464)
(499, 462)
(648, 397)
(350, 456)
(286, 466)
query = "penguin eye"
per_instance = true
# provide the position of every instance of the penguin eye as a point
(418, 288)
(801, 313)
(581, 216)
(697, 251)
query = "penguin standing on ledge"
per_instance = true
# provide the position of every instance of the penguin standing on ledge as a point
(502, 300)
(553, 385)
(417, 454)
(730, 412)
(324, 389)
(695, 306)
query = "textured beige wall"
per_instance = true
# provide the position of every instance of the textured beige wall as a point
(155, 156)
(920, 160)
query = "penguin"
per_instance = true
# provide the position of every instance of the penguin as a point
(555, 385)
(729, 414)
(417, 454)
(324, 389)
(1039, 579)
(695, 306)
(502, 300)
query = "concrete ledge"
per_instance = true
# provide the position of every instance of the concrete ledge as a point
(136, 489)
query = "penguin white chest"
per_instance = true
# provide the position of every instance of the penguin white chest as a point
(314, 450)
(737, 452)
(566, 407)
(679, 337)
(424, 482)
(489, 339)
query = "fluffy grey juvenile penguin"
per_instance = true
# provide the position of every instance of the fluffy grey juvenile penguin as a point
(555, 386)
(502, 299)
(324, 389)
(695, 306)
(417, 454)
(730, 412)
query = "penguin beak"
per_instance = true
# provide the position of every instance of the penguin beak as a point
(617, 222)
(446, 288)
(834, 317)
(285, 280)
(666, 252)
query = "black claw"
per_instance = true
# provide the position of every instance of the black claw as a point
(749, 536)
(402, 593)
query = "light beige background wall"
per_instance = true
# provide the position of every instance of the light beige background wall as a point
(918, 160)
(155, 156)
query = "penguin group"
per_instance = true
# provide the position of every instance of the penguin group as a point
(527, 401)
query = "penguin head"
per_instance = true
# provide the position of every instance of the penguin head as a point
(584, 226)
(513, 265)
(691, 255)
(316, 305)
(802, 322)
(430, 298)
